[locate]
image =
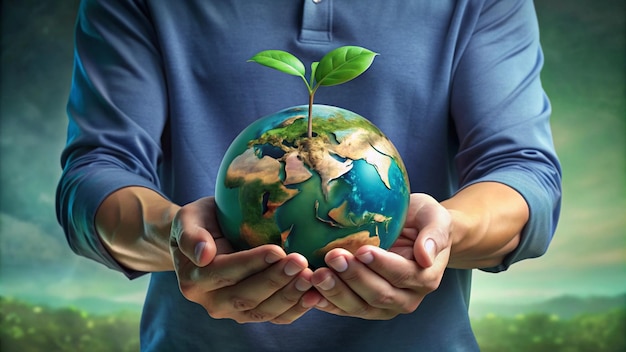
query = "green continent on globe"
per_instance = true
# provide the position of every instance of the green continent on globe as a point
(344, 187)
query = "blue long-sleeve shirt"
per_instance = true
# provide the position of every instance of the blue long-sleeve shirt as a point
(161, 88)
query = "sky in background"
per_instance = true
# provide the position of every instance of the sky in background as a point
(584, 75)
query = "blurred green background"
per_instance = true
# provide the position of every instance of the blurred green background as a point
(573, 298)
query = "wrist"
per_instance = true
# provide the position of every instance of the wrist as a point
(465, 235)
(158, 220)
(487, 219)
(134, 225)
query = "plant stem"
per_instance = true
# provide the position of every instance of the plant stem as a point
(310, 117)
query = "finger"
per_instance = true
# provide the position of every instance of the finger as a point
(433, 222)
(298, 296)
(195, 230)
(430, 242)
(229, 269)
(337, 297)
(335, 285)
(401, 273)
(395, 269)
(311, 298)
(425, 250)
(392, 291)
(264, 295)
(194, 243)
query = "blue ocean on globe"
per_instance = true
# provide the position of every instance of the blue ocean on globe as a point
(346, 186)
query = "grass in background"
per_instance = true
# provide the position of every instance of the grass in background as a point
(26, 327)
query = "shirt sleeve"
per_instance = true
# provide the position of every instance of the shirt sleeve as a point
(117, 112)
(501, 115)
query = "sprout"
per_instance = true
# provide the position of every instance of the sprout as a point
(338, 66)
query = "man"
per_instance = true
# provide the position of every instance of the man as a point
(160, 89)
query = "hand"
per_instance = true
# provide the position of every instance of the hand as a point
(260, 284)
(376, 284)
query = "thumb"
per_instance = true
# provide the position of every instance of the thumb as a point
(190, 239)
(433, 222)
(426, 252)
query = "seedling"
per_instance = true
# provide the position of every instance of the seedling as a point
(336, 67)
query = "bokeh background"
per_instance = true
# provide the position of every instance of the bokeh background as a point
(582, 275)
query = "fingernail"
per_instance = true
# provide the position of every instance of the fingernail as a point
(322, 303)
(303, 285)
(366, 257)
(292, 268)
(327, 284)
(429, 246)
(197, 251)
(272, 258)
(339, 264)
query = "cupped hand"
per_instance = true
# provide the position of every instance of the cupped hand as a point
(374, 283)
(260, 284)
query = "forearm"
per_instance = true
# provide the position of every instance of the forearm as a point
(134, 225)
(487, 220)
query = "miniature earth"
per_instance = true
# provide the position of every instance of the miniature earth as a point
(344, 187)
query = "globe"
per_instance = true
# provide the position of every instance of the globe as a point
(343, 187)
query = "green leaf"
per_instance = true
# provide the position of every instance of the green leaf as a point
(313, 69)
(281, 61)
(343, 64)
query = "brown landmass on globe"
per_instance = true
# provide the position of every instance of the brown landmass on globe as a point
(350, 243)
(330, 153)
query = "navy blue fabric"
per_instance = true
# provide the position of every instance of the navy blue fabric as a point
(161, 88)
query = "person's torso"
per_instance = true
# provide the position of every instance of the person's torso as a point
(214, 93)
